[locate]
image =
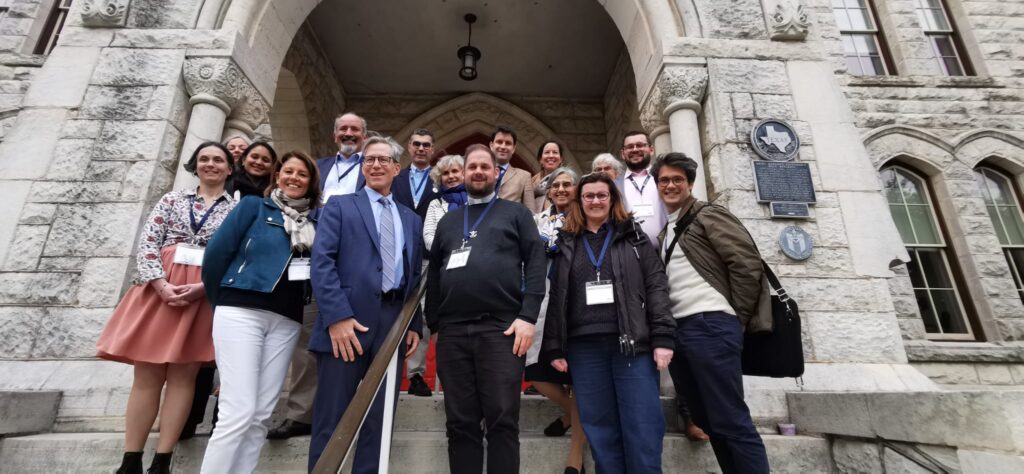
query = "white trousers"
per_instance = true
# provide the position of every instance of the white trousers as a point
(253, 349)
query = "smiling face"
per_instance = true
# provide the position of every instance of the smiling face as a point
(597, 202)
(293, 179)
(673, 187)
(237, 146)
(420, 148)
(212, 166)
(480, 174)
(452, 176)
(562, 192)
(636, 152)
(503, 146)
(379, 168)
(349, 134)
(550, 157)
(258, 162)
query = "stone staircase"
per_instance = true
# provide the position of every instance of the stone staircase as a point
(419, 447)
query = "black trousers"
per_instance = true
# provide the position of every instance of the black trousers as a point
(204, 387)
(481, 379)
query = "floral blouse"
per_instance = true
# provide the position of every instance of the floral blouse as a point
(169, 224)
(548, 223)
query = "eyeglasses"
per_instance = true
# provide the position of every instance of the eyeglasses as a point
(635, 146)
(421, 144)
(674, 180)
(382, 160)
(596, 197)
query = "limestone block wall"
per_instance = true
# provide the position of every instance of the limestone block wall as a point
(323, 97)
(620, 105)
(288, 118)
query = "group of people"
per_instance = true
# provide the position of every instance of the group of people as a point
(587, 286)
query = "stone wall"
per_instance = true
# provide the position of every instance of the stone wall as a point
(288, 118)
(323, 98)
(620, 105)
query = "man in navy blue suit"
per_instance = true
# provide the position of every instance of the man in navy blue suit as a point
(339, 174)
(366, 261)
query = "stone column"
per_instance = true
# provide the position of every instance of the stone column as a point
(234, 127)
(219, 90)
(676, 98)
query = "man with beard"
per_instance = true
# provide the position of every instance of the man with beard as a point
(414, 190)
(638, 188)
(513, 184)
(484, 288)
(339, 174)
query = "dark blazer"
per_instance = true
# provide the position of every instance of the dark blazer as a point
(346, 267)
(402, 188)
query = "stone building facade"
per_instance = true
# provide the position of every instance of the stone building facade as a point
(95, 129)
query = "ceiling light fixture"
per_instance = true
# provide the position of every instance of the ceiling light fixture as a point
(469, 55)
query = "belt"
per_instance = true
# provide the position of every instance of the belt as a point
(393, 295)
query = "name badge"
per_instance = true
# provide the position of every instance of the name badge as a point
(298, 269)
(458, 258)
(186, 254)
(643, 210)
(600, 292)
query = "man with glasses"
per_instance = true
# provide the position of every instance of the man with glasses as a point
(339, 175)
(366, 261)
(638, 189)
(414, 190)
(513, 184)
(714, 277)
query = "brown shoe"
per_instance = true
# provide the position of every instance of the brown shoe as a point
(694, 433)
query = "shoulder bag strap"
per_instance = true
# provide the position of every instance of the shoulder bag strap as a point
(680, 228)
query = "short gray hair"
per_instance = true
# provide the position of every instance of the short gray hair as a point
(396, 149)
(244, 138)
(573, 176)
(340, 116)
(446, 161)
(609, 159)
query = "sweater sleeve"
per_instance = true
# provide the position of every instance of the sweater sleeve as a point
(531, 250)
(435, 211)
(434, 259)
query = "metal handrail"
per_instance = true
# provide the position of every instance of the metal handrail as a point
(339, 447)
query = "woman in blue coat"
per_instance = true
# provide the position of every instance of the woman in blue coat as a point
(256, 272)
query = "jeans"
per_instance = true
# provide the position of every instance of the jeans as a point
(619, 404)
(482, 380)
(253, 348)
(707, 368)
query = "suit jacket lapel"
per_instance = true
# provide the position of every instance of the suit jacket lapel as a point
(363, 205)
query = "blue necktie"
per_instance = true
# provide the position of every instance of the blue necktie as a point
(387, 245)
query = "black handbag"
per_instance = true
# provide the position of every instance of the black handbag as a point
(779, 352)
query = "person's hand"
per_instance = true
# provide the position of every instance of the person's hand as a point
(343, 339)
(192, 292)
(412, 341)
(560, 365)
(662, 357)
(169, 293)
(524, 336)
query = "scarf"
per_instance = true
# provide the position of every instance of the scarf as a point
(296, 220)
(455, 197)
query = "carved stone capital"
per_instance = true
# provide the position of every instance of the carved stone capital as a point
(105, 13)
(787, 19)
(677, 87)
(220, 77)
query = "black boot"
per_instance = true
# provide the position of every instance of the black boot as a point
(131, 463)
(161, 464)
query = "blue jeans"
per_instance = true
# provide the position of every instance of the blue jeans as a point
(706, 367)
(619, 403)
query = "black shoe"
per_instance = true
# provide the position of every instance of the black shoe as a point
(572, 470)
(131, 463)
(187, 432)
(161, 464)
(531, 390)
(289, 429)
(556, 428)
(418, 387)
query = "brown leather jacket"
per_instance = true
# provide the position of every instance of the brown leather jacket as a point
(723, 253)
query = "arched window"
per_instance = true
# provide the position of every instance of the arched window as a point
(935, 287)
(1004, 210)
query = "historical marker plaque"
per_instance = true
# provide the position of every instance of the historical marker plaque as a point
(775, 140)
(777, 181)
(789, 210)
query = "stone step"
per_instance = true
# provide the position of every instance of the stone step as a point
(25, 411)
(413, 452)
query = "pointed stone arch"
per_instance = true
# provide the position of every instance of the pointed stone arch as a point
(477, 112)
(931, 153)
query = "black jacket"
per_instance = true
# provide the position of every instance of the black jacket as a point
(640, 286)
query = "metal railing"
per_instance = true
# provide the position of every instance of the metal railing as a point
(339, 448)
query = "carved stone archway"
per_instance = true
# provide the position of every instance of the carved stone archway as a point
(477, 112)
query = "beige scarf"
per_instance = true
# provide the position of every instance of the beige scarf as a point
(296, 220)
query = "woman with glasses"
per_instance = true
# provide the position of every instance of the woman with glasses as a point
(610, 322)
(447, 177)
(549, 382)
(550, 158)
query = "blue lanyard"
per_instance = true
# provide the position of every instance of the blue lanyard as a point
(640, 189)
(604, 248)
(350, 168)
(468, 232)
(196, 227)
(423, 181)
